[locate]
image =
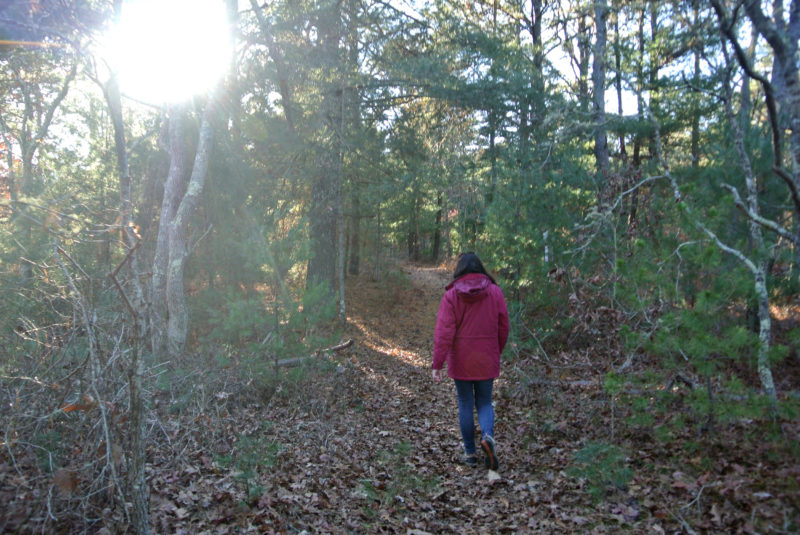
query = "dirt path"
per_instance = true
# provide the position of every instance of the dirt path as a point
(370, 444)
(398, 452)
(376, 449)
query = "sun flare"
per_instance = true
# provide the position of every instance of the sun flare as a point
(169, 51)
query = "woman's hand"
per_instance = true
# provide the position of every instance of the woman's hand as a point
(437, 375)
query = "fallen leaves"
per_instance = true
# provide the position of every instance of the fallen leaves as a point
(66, 481)
(374, 448)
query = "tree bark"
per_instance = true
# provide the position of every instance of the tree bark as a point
(322, 217)
(137, 476)
(173, 191)
(655, 107)
(128, 227)
(599, 88)
(697, 50)
(355, 235)
(413, 225)
(339, 199)
(378, 243)
(178, 318)
(326, 188)
(760, 268)
(618, 82)
(437, 230)
(783, 40)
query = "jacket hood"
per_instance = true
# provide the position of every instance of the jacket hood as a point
(471, 287)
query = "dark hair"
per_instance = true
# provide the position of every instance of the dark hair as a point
(470, 263)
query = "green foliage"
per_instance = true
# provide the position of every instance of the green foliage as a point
(236, 318)
(47, 448)
(602, 466)
(251, 457)
(702, 335)
(612, 383)
(398, 477)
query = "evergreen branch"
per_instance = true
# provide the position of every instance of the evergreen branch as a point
(634, 188)
(677, 196)
(275, 53)
(727, 248)
(403, 13)
(756, 218)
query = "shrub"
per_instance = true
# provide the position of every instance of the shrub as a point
(602, 466)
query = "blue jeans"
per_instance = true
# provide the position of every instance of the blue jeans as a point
(476, 394)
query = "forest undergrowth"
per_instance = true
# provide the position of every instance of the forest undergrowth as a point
(363, 441)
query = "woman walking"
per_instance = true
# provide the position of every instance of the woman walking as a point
(471, 332)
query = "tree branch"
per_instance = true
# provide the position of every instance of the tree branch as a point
(756, 218)
(726, 27)
(317, 353)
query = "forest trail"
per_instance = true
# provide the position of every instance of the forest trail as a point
(368, 443)
(372, 447)
(408, 429)
(381, 453)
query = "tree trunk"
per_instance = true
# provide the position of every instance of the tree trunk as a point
(618, 83)
(339, 200)
(128, 227)
(178, 317)
(322, 219)
(355, 236)
(599, 89)
(783, 41)
(137, 476)
(492, 161)
(584, 53)
(637, 140)
(761, 268)
(326, 188)
(654, 73)
(437, 232)
(173, 191)
(697, 50)
(413, 225)
(765, 332)
(378, 252)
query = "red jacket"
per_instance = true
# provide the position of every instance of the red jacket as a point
(471, 329)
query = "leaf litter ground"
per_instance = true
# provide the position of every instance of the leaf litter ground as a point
(366, 442)
(374, 447)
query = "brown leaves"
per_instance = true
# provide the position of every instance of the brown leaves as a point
(374, 449)
(86, 404)
(66, 481)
